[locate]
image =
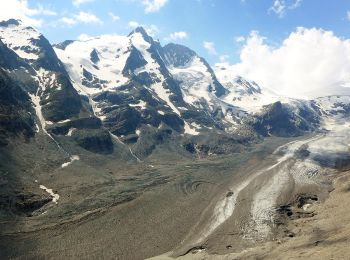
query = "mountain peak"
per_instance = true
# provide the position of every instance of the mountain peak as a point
(178, 55)
(251, 86)
(139, 29)
(143, 32)
(10, 22)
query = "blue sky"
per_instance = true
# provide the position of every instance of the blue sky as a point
(219, 23)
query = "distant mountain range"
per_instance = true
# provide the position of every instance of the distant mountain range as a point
(138, 93)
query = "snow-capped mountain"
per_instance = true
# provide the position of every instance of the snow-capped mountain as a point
(56, 106)
(134, 76)
(119, 100)
(133, 90)
(246, 94)
(51, 89)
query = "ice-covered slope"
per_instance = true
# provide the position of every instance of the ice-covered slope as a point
(334, 105)
(21, 39)
(96, 64)
(199, 84)
(129, 76)
(246, 94)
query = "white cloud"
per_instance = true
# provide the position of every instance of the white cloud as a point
(84, 37)
(81, 17)
(79, 2)
(41, 10)
(176, 36)
(210, 47)
(151, 30)
(308, 61)
(68, 21)
(114, 17)
(296, 4)
(86, 17)
(240, 39)
(224, 58)
(19, 9)
(280, 7)
(348, 15)
(133, 24)
(152, 6)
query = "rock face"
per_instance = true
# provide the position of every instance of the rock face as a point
(15, 108)
(38, 83)
(94, 140)
(279, 120)
(23, 203)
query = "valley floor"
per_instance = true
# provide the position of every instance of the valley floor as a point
(268, 202)
(325, 235)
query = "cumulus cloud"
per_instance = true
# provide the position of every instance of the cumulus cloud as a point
(81, 17)
(210, 47)
(240, 39)
(19, 9)
(86, 17)
(133, 24)
(114, 17)
(151, 30)
(308, 62)
(41, 10)
(152, 6)
(84, 37)
(176, 36)
(79, 2)
(68, 21)
(224, 58)
(280, 7)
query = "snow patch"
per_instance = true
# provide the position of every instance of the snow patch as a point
(54, 196)
(71, 160)
(70, 132)
(190, 130)
(142, 104)
(64, 121)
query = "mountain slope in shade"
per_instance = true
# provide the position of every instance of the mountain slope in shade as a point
(34, 67)
(53, 91)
